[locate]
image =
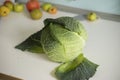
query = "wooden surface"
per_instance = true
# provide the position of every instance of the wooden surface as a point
(8, 77)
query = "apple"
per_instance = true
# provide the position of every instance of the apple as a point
(36, 14)
(46, 6)
(19, 7)
(32, 4)
(52, 10)
(92, 16)
(9, 4)
(4, 11)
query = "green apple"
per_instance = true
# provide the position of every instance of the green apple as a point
(36, 14)
(19, 7)
(9, 4)
(46, 6)
(92, 16)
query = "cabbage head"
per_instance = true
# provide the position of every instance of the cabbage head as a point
(62, 39)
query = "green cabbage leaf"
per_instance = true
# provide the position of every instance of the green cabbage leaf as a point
(78, 69)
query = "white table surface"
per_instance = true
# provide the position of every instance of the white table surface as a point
(102, 47)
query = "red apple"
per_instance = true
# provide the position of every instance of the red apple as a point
(32, 4)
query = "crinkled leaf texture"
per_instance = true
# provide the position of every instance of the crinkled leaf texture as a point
(78, 69)
(62, 39)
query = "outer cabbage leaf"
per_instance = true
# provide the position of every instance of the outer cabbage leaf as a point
(32, 44)
(78, 69)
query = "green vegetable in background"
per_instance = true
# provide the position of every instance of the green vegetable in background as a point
(62, 39)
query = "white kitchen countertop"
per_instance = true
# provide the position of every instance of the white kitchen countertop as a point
(102, 47)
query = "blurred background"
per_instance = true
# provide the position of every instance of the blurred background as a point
(105, 6)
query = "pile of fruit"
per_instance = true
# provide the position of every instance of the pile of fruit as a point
(9, 6)
(33, 7)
